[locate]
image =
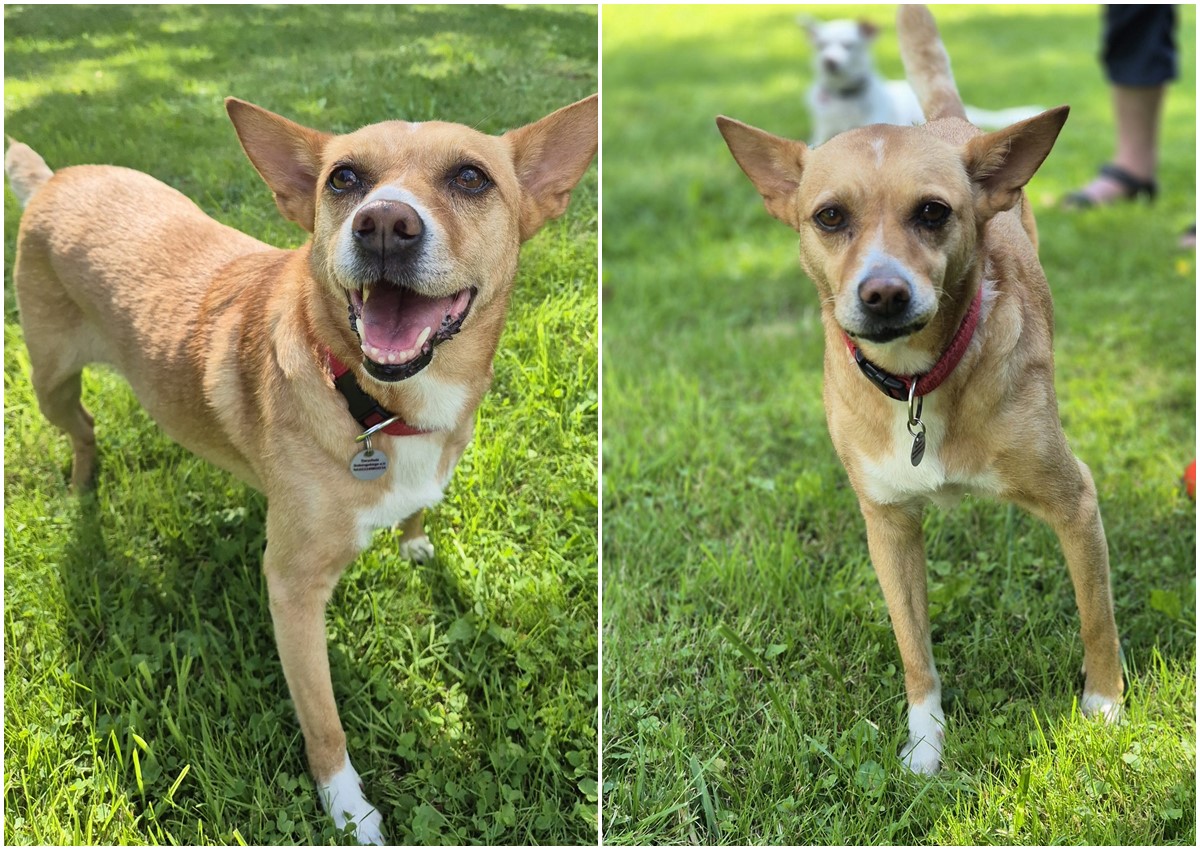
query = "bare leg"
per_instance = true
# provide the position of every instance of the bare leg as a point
(1138, 114)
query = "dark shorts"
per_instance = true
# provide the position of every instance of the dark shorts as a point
(1139, 45)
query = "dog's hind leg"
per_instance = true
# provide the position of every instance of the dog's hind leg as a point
(897, 548)
(57, 337)
(1066, 499)
(414, 543)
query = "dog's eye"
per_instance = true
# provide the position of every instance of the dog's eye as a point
(830, 218)
(471, 178)
(343, 179)
(933, 214)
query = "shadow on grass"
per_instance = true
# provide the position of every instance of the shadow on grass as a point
(169, 634)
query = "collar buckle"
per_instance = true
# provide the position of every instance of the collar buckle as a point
(890, 385)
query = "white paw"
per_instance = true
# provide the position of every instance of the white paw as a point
(418, 550)
(1094, 705)
(923, 756)
(926, 730)
(343, 799)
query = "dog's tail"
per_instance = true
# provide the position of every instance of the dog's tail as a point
(926, 64)
(26, 170)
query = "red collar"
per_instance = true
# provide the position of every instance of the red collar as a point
(899, 386)
(363, 407)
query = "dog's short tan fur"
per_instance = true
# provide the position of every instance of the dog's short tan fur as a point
(993, 425)
(224, 340)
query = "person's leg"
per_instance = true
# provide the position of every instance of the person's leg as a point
(1139, 57)
(1138, 110)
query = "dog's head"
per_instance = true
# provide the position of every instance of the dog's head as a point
(417, 226)
(890, 217)
(842, 50)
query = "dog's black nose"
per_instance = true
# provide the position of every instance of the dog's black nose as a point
(885, 296)
(387, 228)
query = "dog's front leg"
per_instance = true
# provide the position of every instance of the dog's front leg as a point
(897, 549)
(301, 574)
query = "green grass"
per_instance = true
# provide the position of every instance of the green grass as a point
(752, 687)
(143, 697)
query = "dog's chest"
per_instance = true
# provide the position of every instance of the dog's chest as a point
(891, 478)
(412, 483)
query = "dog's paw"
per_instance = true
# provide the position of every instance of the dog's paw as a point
(343, 799)
(923, 756)
(417, 549)
(926, 730)
(1094, 705)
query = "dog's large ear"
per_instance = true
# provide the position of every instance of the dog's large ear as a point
(287, 155)
(772, 163)
(1001, 163)
(809, 25)
(550, 156)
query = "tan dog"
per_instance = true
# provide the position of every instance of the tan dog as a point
(232, 345)
(923, 249)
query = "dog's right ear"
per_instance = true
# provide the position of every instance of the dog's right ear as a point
(286, 154)
(772, 163)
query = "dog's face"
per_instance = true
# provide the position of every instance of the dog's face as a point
(887, 221)
(842, 50)
(890, 217)
(417, 226)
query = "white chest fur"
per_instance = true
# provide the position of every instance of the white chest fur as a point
(412, 483)
(892, 478)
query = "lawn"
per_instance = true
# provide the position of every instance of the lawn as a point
(144, 702)
(752, 688)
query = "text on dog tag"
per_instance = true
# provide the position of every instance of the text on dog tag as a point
(368, 464)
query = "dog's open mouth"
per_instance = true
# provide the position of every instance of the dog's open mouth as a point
(399, 327)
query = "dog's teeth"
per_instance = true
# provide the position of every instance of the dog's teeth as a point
(366, 293)
(424, 336)
(391, 357)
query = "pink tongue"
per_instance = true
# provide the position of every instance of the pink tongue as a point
(393, 319)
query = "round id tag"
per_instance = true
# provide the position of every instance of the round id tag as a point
(368, 464)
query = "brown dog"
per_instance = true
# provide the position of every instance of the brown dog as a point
(922, 246)
(233, 346)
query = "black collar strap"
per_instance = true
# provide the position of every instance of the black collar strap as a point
(850, 91)
(363, 407)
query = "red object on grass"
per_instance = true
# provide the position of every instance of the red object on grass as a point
(1189, 479)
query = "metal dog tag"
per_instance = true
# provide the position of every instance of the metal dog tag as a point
(916, 427)
(368, 464)
(918, 447)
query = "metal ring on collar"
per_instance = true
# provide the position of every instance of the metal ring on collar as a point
(366, 435)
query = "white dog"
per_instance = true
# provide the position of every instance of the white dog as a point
(848, 91)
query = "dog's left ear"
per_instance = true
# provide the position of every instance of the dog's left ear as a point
(867, 30)
(1001, 163)
(286, 154)
(550, 156)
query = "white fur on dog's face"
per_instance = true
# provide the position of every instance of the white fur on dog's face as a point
(843, 54)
